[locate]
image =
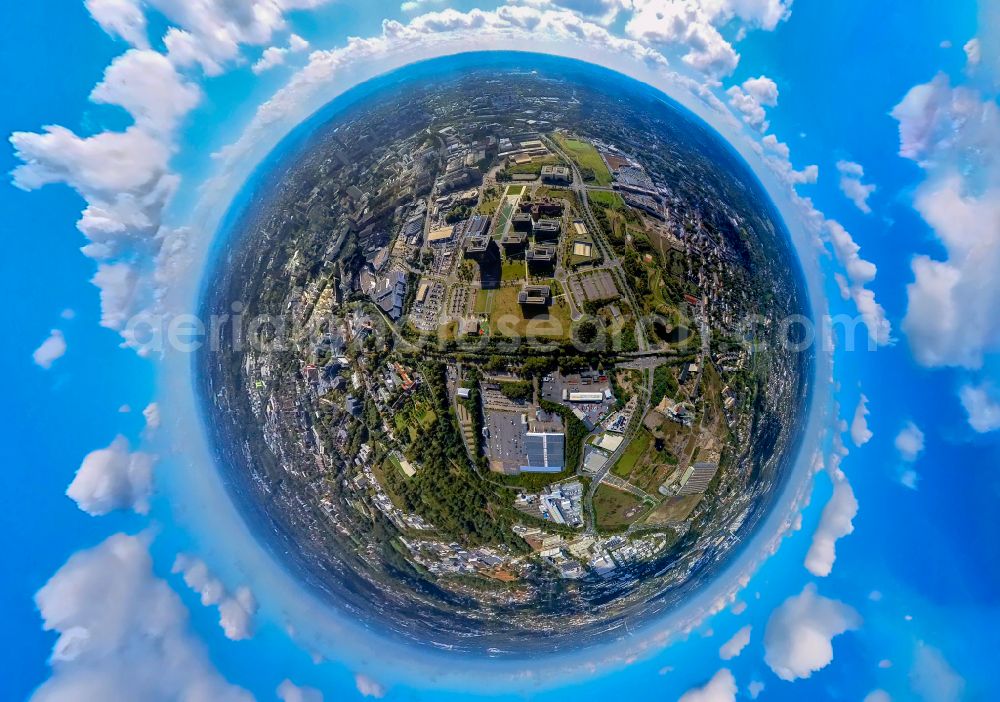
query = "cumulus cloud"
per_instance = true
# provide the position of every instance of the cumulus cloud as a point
(275, 55)
(150, 89)
(835, 522)
(798, 640)
(50, 350)
(736, 644)
(910, 442)
(603, 11)
(415, 6)
(236, 610)
(755, 688)
(860, 272)
(973, 52)
(750, 99)
(124, 177)
(369, 687)
(953, 133)
(687, 24)
(981, 406)
(290, 692)
(122, 632)
(721, 688)
(100, 166)
(113, 478)
(204, 34)
(693, 26)
(120, 18)
(152, 416)
(777, 156)
(878, 696)
(857, 192)
(932, 678)
(860, 434)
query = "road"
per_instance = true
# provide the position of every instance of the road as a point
(597, 234)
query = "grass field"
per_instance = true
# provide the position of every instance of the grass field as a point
(633, 453)
(512, 270)
(515, 189)
(615, 509)
(507, 318)
(558, 194)
(585, 156)
(488, 206)
(506, 212)
(536, 165)
(674, 509)
(482, 301)
(606, 199)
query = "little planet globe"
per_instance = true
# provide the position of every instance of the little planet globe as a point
(507, 369)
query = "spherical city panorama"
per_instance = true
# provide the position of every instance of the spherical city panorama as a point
(504, 358)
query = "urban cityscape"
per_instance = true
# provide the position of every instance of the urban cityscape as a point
(508, 391)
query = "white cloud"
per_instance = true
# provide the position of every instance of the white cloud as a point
(981, 406)
(693, 25)
(860, 273)
(835, 523)
(123, 633)
(113, 478)
(779, 148)
(275, 56)
(100, 165)
(932, 678)
(206, 34)
(687, 24)
(603, 11)
(973, 52)
(50, 350)
(857, 192)
(271, 57)
(910, 442)
(721, 688)
(152, 415)
(415, 6)
(121, 18)
(736, 644)
(953, 133)
(860, 434)
(755, 688)
(124, 177)
(799, 637)
(750, 99)
(149, 88)
(368, 687)
(290, 692)
(877, 696)
(119, 286)
(950, 319)
(236, 610)
(777, 156)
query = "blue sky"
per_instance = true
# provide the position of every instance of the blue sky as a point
(920, 570)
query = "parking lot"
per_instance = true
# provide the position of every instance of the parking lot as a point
(424, 314)
(505, 441)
